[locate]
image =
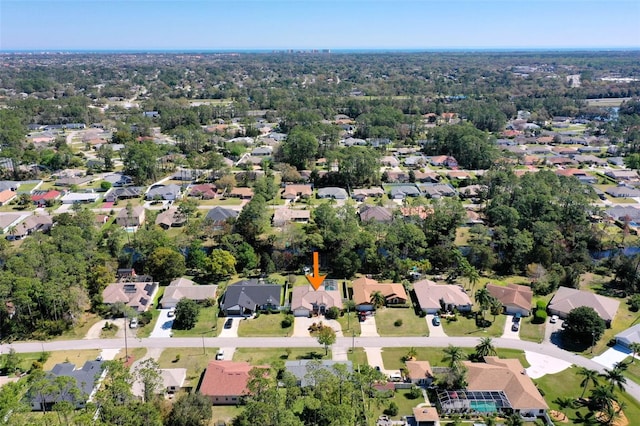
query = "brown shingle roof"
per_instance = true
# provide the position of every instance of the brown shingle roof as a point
(305, 297)
(429, 294)
(223, 378)
(513, 294)
(419, 369)
(364, 287)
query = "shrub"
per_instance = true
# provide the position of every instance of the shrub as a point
(414, 393)
(398, 323)
(634, 303)
(541, 305)
(422, 314)
(392, 410)
(539, 317)
(332, 313)
(287, 321)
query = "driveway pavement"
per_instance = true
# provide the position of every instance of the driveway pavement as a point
(233, 331)
(368, 327)
(162, 327)
(339, 353)
(301, 326)
(541, 364)
(96, 329)
(508, 332)
(434, 330)
(552, 331)
(611, 356)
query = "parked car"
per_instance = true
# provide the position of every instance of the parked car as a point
(554, 319)
(220, 356)
(172, 312)
(436, 320)
(228, 323)
(133, 323)
(517, 316)
(515, 326)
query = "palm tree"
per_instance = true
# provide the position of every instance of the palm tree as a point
(635, 349)
(483, 298)
(601, 397)
(615, 378)
(514, 420)
(564, 403)
(495, 307)
(589, 377)
(453, 355)
(377, 299)
(610, 415)
(485, 348)
(588, 419)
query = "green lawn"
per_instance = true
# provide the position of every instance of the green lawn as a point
(146, 330)
(349, 323)
(208, 324)
(567, 384)
(75, 357)
(530, 331)
(264, 325)
(358, 357)
(392, 357)
(462, 236)
(467, 326)
(412, 325)
(221, 202)
(274, 356)
(224, 413)
(402, 400)
(633, 369)
(195, 360)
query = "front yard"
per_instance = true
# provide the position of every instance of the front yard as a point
(208, 324)
(392, 357)
(409, 324)
(274, 356)
(264, 325)
(466, 326)
(530, 331)
(195, 360)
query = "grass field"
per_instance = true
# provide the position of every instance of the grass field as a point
(224, 413)
(208, 324)
(195, 360)
(350, 324)
(606, 102)
(530, 331)
(412, 325)
(358, 356)
(275, 356)
(264, 325)
(392, 357)
(75, 357)
(403, 401)
(467, 326)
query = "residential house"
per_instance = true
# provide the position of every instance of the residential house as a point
(444, 161)
(41, 198)
(9, 184)
(173, 380)
(131, 216)
(434, 298)
(304, 369)
(415, 161)
(566, 299)
(123, 193)
(579, 174)
(8, 220)
(415, 212)
(376, 213)
(437, 190)
(379, 142)
(189, 174)
(87, 381)
(393, 176)
(426, 176)
(364, 288)
(472, 191)
(30, 225)
(332, 192)
(185, 288)
(219, 216)
(362, 194)
(171, 218)
(560, 161)
(403, 191)
(136, 295)
(629, 336)
(73, 180)
(6, 196)
(262, 151)
(225, 382)
(590, 160)
(622, 191)
(284, 216)
(499, 383)
(295, 192)
(425, 415)
(242, 193)
(514, 298)
(622, 175)
(389, 161)
(249, 296)
(205, 191)
(307, 301)
(169, 192)
(79, 198)
(419, 372)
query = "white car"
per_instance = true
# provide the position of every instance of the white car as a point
(172, 312)
(220, 356)
(133, 323)
(554, 319)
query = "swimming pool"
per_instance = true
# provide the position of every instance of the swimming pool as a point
(483, 406)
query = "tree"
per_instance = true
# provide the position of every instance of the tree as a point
(564, 402)
(453, 355)
(483, 298)
(377, 299)
(149, 375)
(221, 264)
(584, 324)
(141, 161)
(635, 349)
(191, 409)
(186, 314)
(326, 337)
(485, 347)
(300, 148)
(602, 396)
(253, 219)
(495, 307)
(588, 377)
(514, 420)
(615, 377)
(165, 264)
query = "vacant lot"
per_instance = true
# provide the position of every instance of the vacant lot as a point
(274, 356)
(264, 325)
(195, 360)
(409, 323)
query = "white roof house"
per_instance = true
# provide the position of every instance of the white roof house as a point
(629, 336)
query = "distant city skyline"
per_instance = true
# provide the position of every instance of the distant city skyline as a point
(145, 25)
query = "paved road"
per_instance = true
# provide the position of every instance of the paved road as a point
(341, 343)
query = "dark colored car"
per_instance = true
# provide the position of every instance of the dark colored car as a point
(228, 323)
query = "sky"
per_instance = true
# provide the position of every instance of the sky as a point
(317, 24)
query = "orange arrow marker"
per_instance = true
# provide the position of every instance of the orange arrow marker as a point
(316, 279)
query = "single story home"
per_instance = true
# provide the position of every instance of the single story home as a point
(248, 296)
(304, 369)
(362, 194)
(136, 295)
(219, 216)
(622, 191)
(242, 193)
(433, 297)
(306, 301)
(172, 382)
(123, 193)
(6, 196)
(283, 216)
(424, 415)
(294, 192)
(185, 288)
(514, 298)
(171, 217)
(566, 299)
(332, 192)
(40, 198)
(629, 336)
(30, 225)
(87, 381)
(419, 372)
(364, 288)
(132, 217)
(376, 214)
(403, 191)
(205, 191)
(225, 382)
(169, 192)
(79, 197)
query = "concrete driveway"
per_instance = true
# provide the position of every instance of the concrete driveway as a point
(611, 356)
(508, 332)
(162, 327)
(541, 364)
(301, 326)
(552, 331)
(434, 330)
(233, 331)
(368, 327)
